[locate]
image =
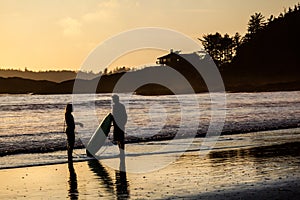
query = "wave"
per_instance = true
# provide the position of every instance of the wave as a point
(31, 134)
(52, 106)
(56, 141)
(218, 155)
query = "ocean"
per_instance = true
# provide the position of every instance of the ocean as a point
(32, 126)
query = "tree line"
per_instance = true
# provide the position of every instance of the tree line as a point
(224, 48)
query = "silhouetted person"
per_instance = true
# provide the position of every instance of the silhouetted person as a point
(70, 130)
(73, 191)
(119, 122)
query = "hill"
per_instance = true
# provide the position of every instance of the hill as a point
(106, 84)
(54, 76)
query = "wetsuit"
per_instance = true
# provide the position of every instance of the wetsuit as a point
(70, 131)
(119, 121)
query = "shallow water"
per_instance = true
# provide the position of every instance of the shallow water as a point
(35, 123)
(138, 154)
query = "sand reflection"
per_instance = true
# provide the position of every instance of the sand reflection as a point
(119, 188)
(73, 191)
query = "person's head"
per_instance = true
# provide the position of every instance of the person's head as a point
(69, 107)
(115, 98)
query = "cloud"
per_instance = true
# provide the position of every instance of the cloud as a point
(109, 4)
(104, 10)
(96, 16)
(71, 27)
(106, 13)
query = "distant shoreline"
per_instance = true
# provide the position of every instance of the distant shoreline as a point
(106, 85)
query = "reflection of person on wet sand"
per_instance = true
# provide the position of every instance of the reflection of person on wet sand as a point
(73, 191)
(119, 122)
(103, 175)
(70, 130)
(122, 186)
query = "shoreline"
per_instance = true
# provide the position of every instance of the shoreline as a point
(225, 142)
(162, 137)
(228, 173)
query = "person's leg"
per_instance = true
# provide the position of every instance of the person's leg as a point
(71, 143)
(121, 145)
(70, 152)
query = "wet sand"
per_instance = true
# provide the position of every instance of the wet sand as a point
(277, 190)
(264, 172)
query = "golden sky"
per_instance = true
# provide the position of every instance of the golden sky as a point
(60, 34)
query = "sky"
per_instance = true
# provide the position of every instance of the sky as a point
(60, 34)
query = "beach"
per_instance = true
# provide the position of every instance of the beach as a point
(264, 171)
(114, 99)
(257, 155)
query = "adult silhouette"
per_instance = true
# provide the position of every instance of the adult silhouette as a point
(119, 122)
(70, 130)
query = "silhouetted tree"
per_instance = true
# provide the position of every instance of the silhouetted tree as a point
(211, 44)
(256, 23)
(120, 69)
(280, 15)
(237, 39)
(270, 19)
(222, 49)
(105, 72)
(227, 49)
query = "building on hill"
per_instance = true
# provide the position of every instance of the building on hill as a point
(180, 62)
(173, 59)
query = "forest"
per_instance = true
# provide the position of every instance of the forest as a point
(226, 50)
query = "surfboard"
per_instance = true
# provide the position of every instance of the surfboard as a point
(98, 138)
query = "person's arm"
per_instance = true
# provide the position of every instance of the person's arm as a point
(78, 123)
